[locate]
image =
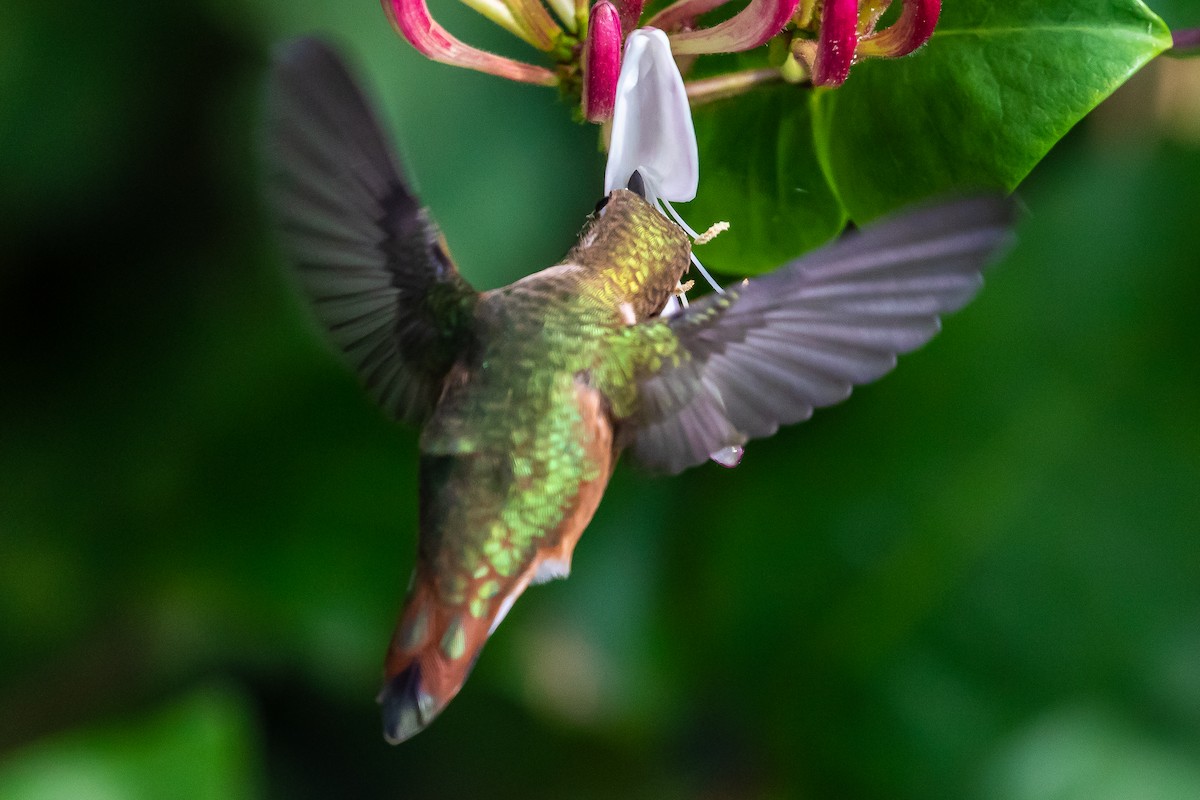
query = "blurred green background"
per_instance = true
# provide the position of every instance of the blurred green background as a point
(979, 578)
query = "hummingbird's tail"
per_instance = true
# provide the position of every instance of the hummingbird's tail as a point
(432, 652)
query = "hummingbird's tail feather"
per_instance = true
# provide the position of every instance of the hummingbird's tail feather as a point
(407, 709)
(433, 650)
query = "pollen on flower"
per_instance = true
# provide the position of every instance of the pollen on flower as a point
(713, 231)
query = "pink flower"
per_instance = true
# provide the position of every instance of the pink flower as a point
(847, 34)
(412, 19)
(585, 44)
(601, 61)
(753, 26)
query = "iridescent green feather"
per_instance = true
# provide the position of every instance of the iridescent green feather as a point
(509, 422)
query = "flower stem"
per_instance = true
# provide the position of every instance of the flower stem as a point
(1185, 42)
(731, 84)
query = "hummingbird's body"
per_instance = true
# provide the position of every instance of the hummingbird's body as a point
(520, 446)
(526, 395)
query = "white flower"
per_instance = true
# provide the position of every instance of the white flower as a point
(652, 129)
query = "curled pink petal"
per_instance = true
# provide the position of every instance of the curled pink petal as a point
(411, 18)
(869, 12)
(601, 61)
(682, 14)
(912, 29)
(630, 12)
(751, 27)
(836, 45)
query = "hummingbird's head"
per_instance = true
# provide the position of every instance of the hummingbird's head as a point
(637, 185)
(634, 249)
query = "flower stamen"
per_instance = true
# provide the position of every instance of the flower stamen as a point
(716, 286)
(696, 237)
(713, 231)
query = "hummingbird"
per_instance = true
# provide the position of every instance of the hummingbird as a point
(525, 396)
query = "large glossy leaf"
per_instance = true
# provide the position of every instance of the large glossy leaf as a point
(762, 176)
(978, 107)
(999, 84)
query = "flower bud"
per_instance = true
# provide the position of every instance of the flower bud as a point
(630, 12)
(601, 62)
(837, 43)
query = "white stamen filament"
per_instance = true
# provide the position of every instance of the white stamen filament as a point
(678, 219)
(716, 286)
(695, 237)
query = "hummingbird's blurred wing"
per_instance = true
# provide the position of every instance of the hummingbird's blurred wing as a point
(368, 256)
(771, 349)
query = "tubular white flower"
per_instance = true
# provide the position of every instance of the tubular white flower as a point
(652, 129)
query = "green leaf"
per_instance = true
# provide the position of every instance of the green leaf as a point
(996, 87)
(198, 749)
(762, 176)
(977, 108)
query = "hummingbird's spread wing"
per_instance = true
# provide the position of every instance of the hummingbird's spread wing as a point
(771, 349)
(368, 256)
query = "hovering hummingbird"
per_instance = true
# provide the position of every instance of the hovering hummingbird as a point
(526, 395)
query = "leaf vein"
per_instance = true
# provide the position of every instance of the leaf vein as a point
(1089, 30)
